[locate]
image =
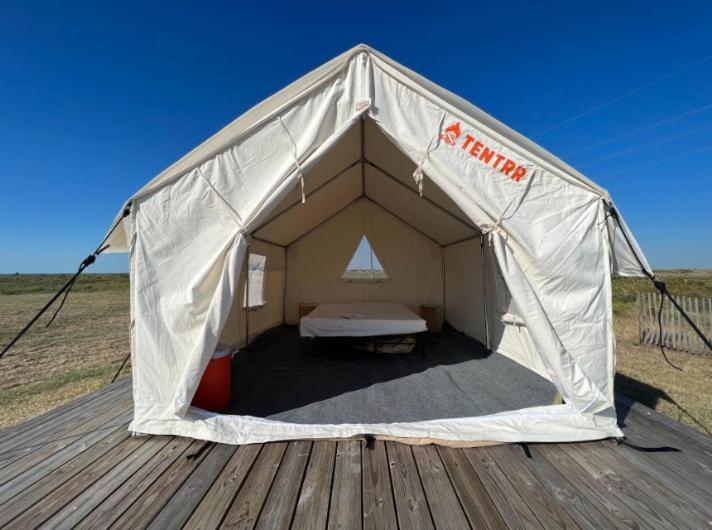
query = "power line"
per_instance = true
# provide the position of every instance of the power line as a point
(646, 145)
(652, 163)
(623, 96)
(642, 129)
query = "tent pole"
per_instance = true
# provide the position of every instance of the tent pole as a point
(442, 261)
(484, 291)
(247, 297)
(284, 288)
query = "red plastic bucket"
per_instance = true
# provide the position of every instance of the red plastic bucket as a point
(213, 393)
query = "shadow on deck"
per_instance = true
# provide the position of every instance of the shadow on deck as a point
(78, 466)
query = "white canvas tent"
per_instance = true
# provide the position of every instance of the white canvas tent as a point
(462, 212)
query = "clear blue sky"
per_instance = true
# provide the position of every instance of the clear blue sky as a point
(96, 98)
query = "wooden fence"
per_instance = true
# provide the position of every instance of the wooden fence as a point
(677, 333)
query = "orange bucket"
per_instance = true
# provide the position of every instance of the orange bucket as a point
(213, 393)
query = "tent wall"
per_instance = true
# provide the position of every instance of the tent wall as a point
(464, 293)
(316, 262)
(264, 317)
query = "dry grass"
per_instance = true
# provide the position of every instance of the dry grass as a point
(77, 354)
(83, 348)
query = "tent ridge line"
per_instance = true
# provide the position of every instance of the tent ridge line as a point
(321, 223)
(267, 241)
(312, 192)
(426, 199)
(458, 241)
(412, 227)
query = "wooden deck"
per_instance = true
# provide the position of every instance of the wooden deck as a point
(77, 466)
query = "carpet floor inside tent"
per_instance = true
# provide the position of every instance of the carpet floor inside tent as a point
(282, 377)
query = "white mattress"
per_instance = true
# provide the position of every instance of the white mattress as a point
(360, 320)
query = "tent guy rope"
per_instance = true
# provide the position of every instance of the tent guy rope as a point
(662, 288)
(89, 260)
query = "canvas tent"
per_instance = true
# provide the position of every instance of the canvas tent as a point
(463, 212)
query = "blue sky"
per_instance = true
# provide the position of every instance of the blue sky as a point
(96, 98)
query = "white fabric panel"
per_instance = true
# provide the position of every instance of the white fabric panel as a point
(410, 207)
(624, 260)
(553, 423)
(186, 253)
(379, 150)
(552, 228)
(464, 296)
(264, 317)
(344, 153)
(316, 262)
(296, 222)
(360, 320)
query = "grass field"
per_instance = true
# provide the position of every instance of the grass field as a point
(84, 347)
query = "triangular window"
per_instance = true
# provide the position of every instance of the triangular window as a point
(364, 265)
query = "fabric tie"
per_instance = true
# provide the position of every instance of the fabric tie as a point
(418, 174)
(295, 156)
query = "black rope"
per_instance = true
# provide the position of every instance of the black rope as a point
(662, 288)
(662, 449)
(121, 367)
(90, 259)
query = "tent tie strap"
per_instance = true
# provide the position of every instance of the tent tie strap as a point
(662, 288)
(295, 155)
(67, 287)
(418, 175)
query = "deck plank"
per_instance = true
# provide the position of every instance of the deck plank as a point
(577, 504)
(26, 472)
(475, 501)
(70, 419)
(378, 509)
(568, 471)
(246, 507)
(411, 505)
(515, 512)
(542, 503)
(112, 507)
(147, 506)
(94, 477)
(211, 510)
(282, 500)
(78, 466)
(345, 505)
(56, 451)
(42, 421)
(181, 505)
(444, 504)
(635, 490)
(313, 504)
(81, 505)
(27, 498)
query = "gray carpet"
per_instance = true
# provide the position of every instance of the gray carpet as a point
(282, 377)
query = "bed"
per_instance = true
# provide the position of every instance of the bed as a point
(360, 320)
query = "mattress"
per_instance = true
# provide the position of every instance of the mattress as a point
(360, 320)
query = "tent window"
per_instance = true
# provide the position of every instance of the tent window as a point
(364, 265)
(256, 281)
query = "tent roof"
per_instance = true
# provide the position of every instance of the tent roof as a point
(272, 106)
